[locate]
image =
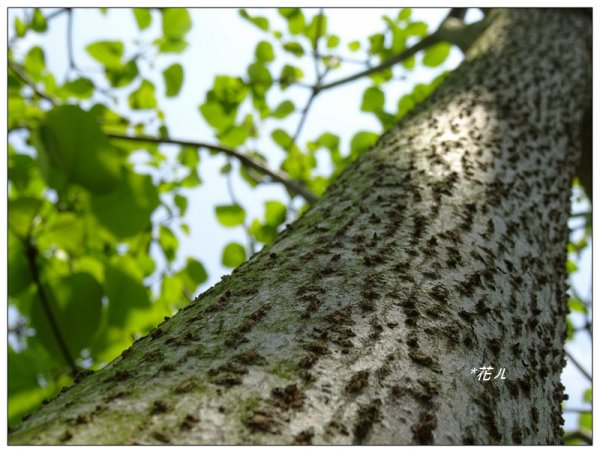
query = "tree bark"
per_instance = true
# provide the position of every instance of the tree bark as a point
(440, 250)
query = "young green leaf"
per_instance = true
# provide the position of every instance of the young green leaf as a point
(21, 213)
(283, 109)
(373, 100)
(275, 213)
(143, 98)
(168, 243)
(436, 54)
(282, 138)
(361, 141)
(176, 23)
(260, 22)
(38, 21)
(173, 77)
(230, 215)
(107, 53)
(143, 17)
(234, 254)
(264, 52)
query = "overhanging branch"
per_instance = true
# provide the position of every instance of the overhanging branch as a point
(245, 160)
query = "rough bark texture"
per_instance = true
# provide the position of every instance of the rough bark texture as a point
(440, 250)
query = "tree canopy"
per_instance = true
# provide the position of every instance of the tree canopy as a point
(99, 189)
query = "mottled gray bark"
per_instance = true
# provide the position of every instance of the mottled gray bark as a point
(440, 250)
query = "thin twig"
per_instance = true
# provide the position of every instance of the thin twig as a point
(29, 81)
(32, 254)
(70, 53)
(578, 365)
(407, 53)
(247, 161)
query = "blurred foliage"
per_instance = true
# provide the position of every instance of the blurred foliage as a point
(90, 233)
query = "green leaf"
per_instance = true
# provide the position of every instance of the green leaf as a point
(75, 144)
(361, 141)
(176, 23)
(376, 43)
(234, 254)
(263, 233)
(571, 267)
(404, 14)
(189, 156)
(230, 215)
(416, 29)
(230, 91)
(143, 98)
(283, 109)
(124, 288)
(264, 52)
(587, 396)
(585, 421)
(38, 21)
(576, 305)
(295, 19)
(173, 77)
(260, 22)
(20, 27)
(436, 54)
(166, 45)
(294, 47)
(282, 138)
(275, 213)
(80, 88)
(354, 46)
(216, 116)
(195, 272)
(143, 17)
(333, 41)
(570, 329)
(18, 270)
(289, 75)
(329, 141)
(76, 303)
(168, 243)
(65, 231)
(126, 210)
(21, 213)
(123, 74)
(182, 203)
(373, 100)
(107, 53)
(317, 27)
(233, 136)
(405, 105)
(260, 78)
(35, 62)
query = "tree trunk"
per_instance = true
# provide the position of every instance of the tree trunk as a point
(440, 250)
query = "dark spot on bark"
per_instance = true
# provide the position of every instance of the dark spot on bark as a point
(317, 347)
(116, 395)
(357, 382)
(250, 358)
(227, 380)
(421, 358)
(83, 419)
(188, 422)
(167, 367)
(290, 396)
(161, 437)
(82, 374)
(66, 436)
(260, 420)
(185, 387)
(304, 437)
(156, 333)
(307, 361)
(366, 418)
(159, 407)
(423, 429)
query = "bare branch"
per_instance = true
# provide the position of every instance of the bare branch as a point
(577, 410)
(247, 161)
(578, 365)
(22, 74)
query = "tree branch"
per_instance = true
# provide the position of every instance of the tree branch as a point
(32, 254)
(247, 161)
(576, 410)
(19, 71)
(405, 54)
(578, 365)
